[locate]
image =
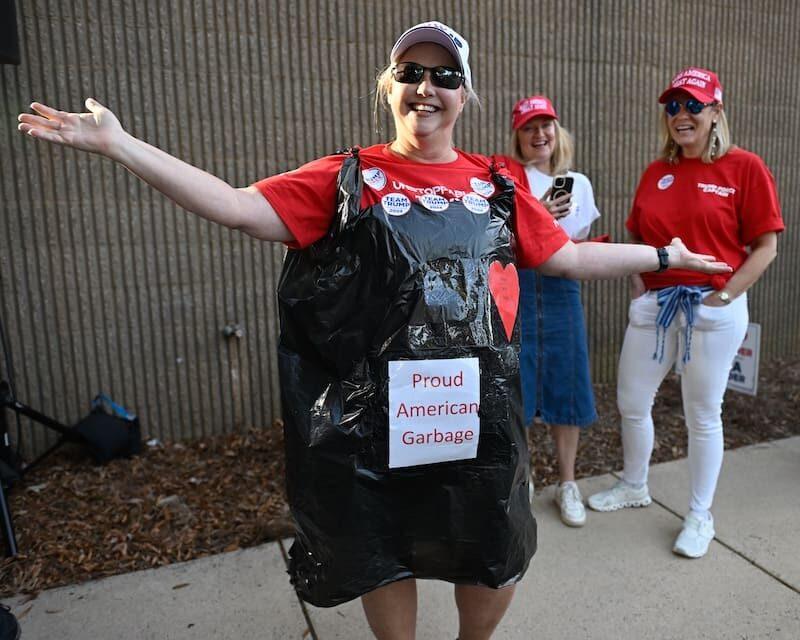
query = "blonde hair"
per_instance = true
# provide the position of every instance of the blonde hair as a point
(383, 83)
(563, 150)
(717, 145)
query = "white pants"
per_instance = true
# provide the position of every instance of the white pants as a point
(717, 335)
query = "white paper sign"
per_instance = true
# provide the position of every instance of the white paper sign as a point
(433, 411)
(743, 375)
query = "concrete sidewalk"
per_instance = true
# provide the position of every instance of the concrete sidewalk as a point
(616, 578)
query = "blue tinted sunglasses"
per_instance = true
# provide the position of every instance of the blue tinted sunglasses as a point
(693, 106)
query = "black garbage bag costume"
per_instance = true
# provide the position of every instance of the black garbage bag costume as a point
(376, 289)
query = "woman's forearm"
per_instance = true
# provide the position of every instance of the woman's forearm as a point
(99, 131)
(189, 187)
(762, 254)
(600, 260)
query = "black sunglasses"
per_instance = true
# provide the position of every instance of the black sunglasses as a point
(411, 73)
(693, 106)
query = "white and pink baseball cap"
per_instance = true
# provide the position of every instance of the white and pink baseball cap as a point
(529, 108)
(701, 84)
(440, 34)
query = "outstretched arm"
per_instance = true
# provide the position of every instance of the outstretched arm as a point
(99, 131)
(636, 283)
(600, 261)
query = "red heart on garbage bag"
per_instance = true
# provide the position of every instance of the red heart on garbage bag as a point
(504, 285)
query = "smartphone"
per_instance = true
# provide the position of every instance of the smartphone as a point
(562, 185)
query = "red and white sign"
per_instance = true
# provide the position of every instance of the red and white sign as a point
(433, 411)
(743, 375)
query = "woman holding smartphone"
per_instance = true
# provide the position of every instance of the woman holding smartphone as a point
(723, 200)
(400, 260)
(556, 381)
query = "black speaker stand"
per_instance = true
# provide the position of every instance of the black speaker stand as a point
(11, 467)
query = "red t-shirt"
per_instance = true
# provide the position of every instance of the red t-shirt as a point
(515, 168)
(717, 209)
(305, 198)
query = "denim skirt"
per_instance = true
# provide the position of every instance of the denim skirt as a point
(554, 362)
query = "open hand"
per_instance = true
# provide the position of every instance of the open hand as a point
(96, 131)
(681, 258)
(559, 207)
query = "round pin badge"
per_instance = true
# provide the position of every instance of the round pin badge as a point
(481, 187)
(475, 203)
(395, 204)
(433, 202)
(665, 182)
(374, 178)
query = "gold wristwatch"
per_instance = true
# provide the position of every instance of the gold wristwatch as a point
(724, 297)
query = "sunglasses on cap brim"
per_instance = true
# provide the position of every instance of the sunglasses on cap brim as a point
(692, 105)
(412, 73)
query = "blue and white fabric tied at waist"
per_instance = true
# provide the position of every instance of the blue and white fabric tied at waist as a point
(670, 301)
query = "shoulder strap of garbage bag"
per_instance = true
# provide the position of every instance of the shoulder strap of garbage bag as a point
(348, 192)
(504, 199)
(348, 202)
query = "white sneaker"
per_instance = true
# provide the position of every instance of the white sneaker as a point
(694, 538)
(619, 496)
(570, 502)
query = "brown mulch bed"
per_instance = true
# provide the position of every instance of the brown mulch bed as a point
(175, 502)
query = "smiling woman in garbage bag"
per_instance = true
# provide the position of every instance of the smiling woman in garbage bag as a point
(406, 455)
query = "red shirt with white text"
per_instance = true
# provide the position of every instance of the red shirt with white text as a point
(305, 198)
(716, 208)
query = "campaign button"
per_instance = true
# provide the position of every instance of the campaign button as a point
(475, 203)
(481, 187)
(374, 178)
(665, 182)
(395, 204)
(433, 202)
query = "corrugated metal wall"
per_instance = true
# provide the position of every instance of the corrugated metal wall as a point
(105, 286)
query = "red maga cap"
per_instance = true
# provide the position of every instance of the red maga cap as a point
(531, 107)
(699, 83)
